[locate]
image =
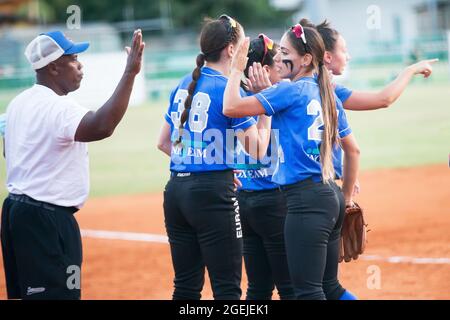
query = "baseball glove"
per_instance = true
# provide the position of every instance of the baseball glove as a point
(353, 234)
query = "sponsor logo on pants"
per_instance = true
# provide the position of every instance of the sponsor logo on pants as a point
(237, 219)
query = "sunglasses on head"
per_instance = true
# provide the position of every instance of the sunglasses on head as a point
(268, 45)
(232, 22)
(299, 33)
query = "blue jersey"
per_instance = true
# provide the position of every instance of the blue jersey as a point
(297, 114)
(257, 175)
(208, 142)
(343, 94)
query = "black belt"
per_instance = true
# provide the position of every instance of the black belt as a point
(302, 183)
(261, 191)
(40, 204)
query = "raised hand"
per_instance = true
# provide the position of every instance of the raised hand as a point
(135, 52)
(240, 59)
(237, 182)
(259, 78)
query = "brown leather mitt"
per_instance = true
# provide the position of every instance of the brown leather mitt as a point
(353, 234)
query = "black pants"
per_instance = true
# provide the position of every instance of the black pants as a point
(312, 233)
(41, 247)
(331, 286)
(204, 229)
(263, 214)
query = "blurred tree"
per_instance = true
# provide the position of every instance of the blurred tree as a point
(250, 13)
(111, 11)
(184, 13)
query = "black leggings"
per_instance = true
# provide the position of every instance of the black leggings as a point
(263, 214)
(203, 224)
(312, 233)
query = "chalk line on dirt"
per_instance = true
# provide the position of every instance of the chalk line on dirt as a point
(156, 238)
(128, 236)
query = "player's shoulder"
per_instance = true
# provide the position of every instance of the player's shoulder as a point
(340, 88)
(342, 92)
(307, 91)
(25, 98)
(185, 81)
(210, 74)
(308, 84)
(281, 87)
(213, 80)
(338, 101)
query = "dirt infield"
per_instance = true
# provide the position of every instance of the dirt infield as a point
(408, 211)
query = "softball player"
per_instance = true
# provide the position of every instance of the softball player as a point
(260, 277)
(200, 206)
(336, 59)
(262, 205)
(309, 119)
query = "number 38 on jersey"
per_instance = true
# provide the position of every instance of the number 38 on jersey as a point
(198, 115)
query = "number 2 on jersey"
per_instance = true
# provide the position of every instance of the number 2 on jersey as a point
(315, 109)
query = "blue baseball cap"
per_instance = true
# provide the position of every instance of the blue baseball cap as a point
(66, 44)
(50, 46)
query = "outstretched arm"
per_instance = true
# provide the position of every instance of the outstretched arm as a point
(256, 138)
(361, 101)
(102, 123)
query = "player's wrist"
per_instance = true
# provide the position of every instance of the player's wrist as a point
(235, 71)
(130, 73)
(349, 203)
(348, 193)
(412, 69)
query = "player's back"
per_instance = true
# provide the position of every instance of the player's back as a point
(207, 137)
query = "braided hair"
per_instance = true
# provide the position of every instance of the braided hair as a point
(215, 36)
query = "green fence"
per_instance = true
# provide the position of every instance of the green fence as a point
(164, 68)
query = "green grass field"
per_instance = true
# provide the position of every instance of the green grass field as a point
(414, 131)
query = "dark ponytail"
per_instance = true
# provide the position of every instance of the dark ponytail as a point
(216, 35)
(316, 48)
(188, 102)
(330, 120)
